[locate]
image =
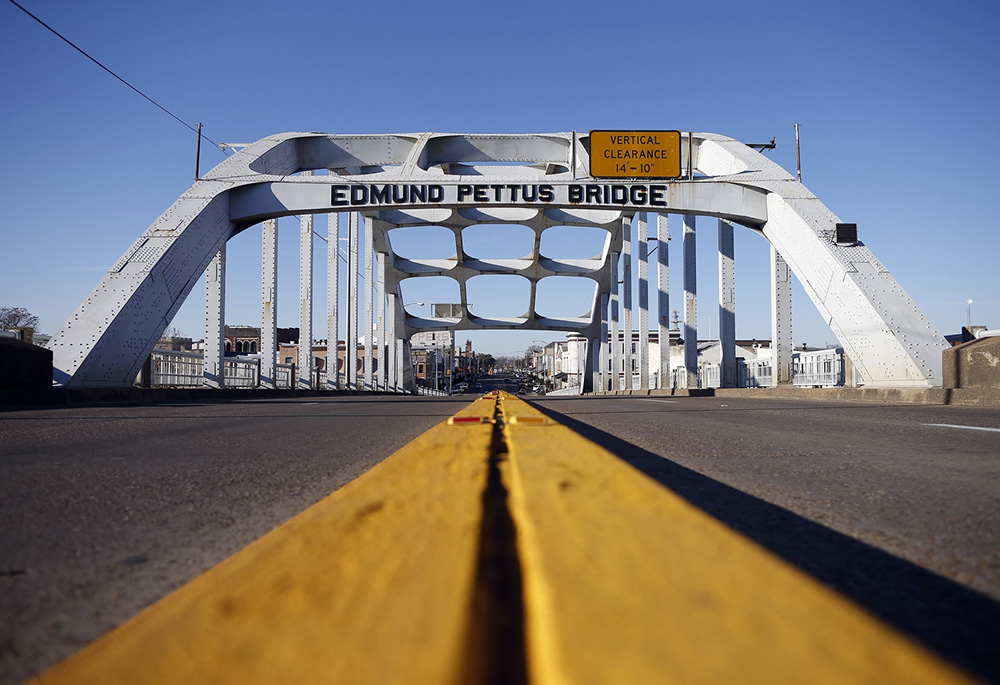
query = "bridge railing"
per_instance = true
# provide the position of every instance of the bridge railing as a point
(242, 373)
(431, 392)
(711, 376)
(755, 373)
(284, 376)
(569, 390)
(819, 368)
(173, 369)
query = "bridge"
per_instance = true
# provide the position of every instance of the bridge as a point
(538, 181)
(376, 536)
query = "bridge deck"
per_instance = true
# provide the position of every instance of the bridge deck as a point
(659, 574)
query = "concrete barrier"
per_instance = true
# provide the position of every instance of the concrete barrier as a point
(973, 364)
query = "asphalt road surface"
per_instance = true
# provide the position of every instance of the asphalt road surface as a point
(105, 509)
(896, 507)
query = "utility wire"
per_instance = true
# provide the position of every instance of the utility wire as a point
(84, 53)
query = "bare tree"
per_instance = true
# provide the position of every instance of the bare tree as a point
(17, 317)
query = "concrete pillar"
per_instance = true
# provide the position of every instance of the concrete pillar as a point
(782, 344)
(663, 295)
(627, 296)
(351, 360)
(690, 303)
(727, 304)
(332, 301)
(616, 356)
(268, 302)
(215, 317)
(369, 304)
(306, 365)
(643, 239)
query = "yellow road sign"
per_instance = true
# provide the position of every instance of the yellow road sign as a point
(635, 154)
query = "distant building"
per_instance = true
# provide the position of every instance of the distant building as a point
(242, 340)
(433, 356)
(288, 353)
(175, 343)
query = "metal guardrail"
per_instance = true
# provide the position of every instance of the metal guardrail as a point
(173, 369)
(177, 369)
(820, 368)
(241, 373)
(284, 376)
(711, 376)
(564, 392)
(431, 392)
(755, 373)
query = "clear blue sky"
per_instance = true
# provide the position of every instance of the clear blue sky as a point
(898, 103)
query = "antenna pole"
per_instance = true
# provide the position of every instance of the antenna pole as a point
(798, 156)
(197, 156)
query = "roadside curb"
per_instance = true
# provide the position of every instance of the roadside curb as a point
(968, 397)
(10, 399)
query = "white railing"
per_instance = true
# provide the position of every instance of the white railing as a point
(241, 373)
(755, 373)
(819, 368)
(176, 369)
(172, 369)
(431, 392)
(284, 376)
(711, 375)
(570, 390)
(813, 369)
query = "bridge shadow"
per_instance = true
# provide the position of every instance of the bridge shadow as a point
(960, 624)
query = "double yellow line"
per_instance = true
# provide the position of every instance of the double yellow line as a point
(502, 546)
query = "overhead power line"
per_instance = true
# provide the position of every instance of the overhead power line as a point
(95, 61)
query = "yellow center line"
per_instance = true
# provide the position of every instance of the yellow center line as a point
(374, 584)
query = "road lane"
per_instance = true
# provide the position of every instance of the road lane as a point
(899, 516)
(104, 510)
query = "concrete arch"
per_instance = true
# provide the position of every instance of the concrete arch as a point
(460, 180)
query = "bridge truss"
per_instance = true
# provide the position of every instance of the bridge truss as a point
(456, 181)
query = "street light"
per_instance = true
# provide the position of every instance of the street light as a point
(970, 311)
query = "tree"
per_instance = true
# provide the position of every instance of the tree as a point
(529, 354)
(484, 362)
(17, 317)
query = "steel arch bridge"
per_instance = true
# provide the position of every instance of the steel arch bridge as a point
(455, 181)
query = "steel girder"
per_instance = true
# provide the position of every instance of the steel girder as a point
(460, 180)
